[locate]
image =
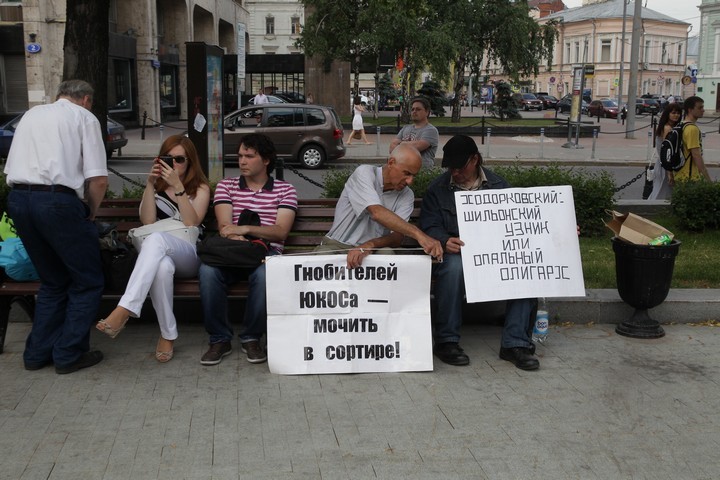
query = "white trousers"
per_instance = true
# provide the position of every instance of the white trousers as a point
(162, 257)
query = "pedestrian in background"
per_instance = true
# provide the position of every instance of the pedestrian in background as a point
(670, 117)
(58, 157)
(260, 98)
(421, 134)
(357, 123)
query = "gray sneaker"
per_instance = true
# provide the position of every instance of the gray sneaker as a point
(216, 352)
(255, 352)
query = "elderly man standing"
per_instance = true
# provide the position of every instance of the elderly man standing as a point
(57, 157)
(374, 207)
(421, 134)
(438, 219)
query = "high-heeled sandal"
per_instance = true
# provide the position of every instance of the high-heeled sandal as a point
(163, 357)
(111, 332)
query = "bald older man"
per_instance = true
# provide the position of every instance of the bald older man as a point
(374, 207)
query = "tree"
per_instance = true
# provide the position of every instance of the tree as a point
(436, 96)
(475, 33)
(85, 47)
(504, 106)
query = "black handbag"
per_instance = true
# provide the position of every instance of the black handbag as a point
(223, 252)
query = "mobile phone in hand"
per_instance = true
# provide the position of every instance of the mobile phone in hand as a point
(167, 159)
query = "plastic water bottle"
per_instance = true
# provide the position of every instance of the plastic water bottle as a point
(540, 330)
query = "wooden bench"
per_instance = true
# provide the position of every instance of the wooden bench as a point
(313, 219)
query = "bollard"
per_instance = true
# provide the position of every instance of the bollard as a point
(482, 130)
(487, 150)
(279, 168)
(649, 147)
(377, 149)
(653, 127)
(142, 132)
(161, 133)
(595, 134)
(542, 143)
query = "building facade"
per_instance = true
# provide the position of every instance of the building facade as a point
(592, 34)
(708, 64)
(147, 59)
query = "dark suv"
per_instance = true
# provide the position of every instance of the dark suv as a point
(308, 134)
(527, 101)
(646, 105)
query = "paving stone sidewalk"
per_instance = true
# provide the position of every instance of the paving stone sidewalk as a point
(602, 406)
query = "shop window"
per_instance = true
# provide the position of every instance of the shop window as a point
(120, 85)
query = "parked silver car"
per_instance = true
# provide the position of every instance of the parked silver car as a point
(308, 134)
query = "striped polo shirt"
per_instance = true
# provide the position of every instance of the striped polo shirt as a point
(274, 194)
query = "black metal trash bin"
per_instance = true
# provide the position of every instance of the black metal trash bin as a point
(643, 274)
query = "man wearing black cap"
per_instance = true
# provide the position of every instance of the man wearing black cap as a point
(438, 218)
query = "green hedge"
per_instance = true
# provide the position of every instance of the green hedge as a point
(697, 205)
(593, 192)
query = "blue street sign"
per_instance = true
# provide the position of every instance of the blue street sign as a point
(33, 47)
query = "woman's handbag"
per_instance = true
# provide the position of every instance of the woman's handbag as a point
(173, 225)
(223, 252)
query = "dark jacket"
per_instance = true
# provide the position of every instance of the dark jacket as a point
(438, 216)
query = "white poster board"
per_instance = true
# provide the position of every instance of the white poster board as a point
(519, 243)
(326, 318)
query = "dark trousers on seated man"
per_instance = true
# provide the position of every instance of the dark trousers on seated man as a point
(449, 294)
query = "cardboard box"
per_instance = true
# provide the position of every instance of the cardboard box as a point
(635, 229)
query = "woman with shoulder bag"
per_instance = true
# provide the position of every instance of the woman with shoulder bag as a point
(176, 185)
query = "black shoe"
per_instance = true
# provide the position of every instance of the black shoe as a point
(451, 353)
(36, 366)
(216, 352)
(86, 360)
(521, 357)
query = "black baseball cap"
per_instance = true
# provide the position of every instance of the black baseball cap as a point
(458, 150)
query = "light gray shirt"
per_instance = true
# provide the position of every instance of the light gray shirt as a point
(428, 133)
(353, 224)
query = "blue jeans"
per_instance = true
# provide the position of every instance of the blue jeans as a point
(63, 245)
(214, 282)
(449, 290)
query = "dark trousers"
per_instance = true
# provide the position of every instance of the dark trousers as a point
(63, 245)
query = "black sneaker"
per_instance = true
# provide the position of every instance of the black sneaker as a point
(520, 356)
(451, 353)
(216, 352)
(86, 360)
(255, 352)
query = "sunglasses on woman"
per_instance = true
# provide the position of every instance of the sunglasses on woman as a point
(179, 159)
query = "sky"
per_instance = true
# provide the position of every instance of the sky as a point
(685, 10)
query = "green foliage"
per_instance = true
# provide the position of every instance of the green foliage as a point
(335, 181)
(435, 95)
(593, 192)
(504, 106)
(697, 205)
(132, 191)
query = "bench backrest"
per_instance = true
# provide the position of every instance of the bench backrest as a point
(313, 220)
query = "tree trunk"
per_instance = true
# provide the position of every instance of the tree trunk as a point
(86, 50)
(458, 76)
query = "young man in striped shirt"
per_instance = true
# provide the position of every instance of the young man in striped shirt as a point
(275, 201)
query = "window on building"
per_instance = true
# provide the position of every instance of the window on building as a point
(605, 50)
(119, 85)
(567, 53)
(646, 57)
(295, 28)
(577, 53)
(664, 56)
(269, 26)
(679, 57)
